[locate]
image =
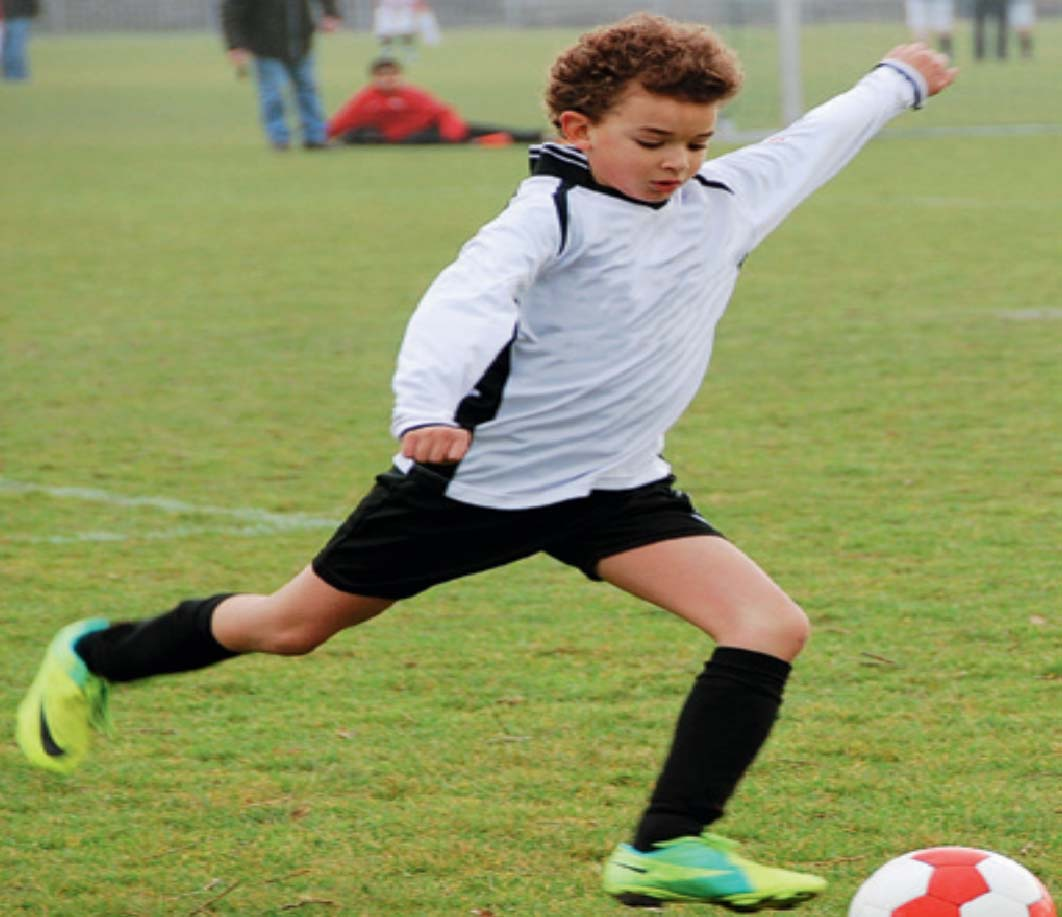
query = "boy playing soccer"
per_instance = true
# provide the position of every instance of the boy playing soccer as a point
(534, 387)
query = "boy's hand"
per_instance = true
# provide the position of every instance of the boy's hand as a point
(239, 58)
(935, 67)
(436, 445)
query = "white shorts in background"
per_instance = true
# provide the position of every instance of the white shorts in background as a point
(393, 19)
(930, 16)
(1021, 14)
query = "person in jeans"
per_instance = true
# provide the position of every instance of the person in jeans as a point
(15, 28)
(278, 36)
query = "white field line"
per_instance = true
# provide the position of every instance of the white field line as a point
(1032, 315)
(256, 522)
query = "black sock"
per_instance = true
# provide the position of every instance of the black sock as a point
(178, 641)
(724, 723)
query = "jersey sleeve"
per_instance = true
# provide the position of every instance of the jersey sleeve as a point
(772, 177)
(452, 126)
(470, 312)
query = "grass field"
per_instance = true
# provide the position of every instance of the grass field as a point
(197, 337)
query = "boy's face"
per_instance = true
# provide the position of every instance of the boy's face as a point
(646, 145)
(387, 78)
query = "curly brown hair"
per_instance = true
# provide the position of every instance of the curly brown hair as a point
(682, 60)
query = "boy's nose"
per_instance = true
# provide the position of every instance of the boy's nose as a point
(676, 162)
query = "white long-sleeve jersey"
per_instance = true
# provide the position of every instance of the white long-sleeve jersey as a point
(575, 328)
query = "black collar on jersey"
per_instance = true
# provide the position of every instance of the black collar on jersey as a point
(571, 166)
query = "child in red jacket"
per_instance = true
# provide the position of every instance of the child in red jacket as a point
(389, 110)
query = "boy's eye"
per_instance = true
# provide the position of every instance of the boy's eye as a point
(695, 147)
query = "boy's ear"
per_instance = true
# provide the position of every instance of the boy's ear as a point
(575, 129)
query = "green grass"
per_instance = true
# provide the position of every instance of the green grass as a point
(187, 316)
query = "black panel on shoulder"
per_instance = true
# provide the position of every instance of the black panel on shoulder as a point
(560, 201)
(710, 183)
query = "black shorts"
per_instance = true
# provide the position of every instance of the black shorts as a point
(407, 535)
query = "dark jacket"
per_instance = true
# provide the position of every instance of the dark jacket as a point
(20, 9)
(270, 28)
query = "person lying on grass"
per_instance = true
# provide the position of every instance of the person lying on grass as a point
(390, 110)
(535, 384)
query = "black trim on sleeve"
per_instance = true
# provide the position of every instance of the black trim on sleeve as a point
(434, 423)
(891, 65)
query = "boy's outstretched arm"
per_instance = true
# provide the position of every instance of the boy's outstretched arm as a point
(770, 178)
(935, 67)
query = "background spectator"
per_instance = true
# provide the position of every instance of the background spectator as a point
(1022, 17)
(931, 21)
(17, 15)
(389, 110)
(983, 11)
(397, 24)
(278, 35)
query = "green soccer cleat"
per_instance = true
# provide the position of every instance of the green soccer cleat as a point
(63, 705)
(704, 869)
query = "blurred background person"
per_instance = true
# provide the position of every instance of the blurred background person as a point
(1022, 18)
(932, 21)
(14, 45)
(390, 110)
(398, 24)
(984, 10)
(278, 36)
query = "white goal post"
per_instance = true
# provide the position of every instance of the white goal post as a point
(791, 88)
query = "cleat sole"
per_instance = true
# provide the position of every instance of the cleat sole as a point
(787, 903)
(632, 899)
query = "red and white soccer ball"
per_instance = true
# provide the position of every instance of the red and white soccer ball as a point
(952, 882)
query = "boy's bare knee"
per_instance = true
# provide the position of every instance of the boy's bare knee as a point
(295, 642)
(797, 629)
(780, 631)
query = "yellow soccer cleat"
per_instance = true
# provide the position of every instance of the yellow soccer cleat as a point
(705, 869)
(63, 706)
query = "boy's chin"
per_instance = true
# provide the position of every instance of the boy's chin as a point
(655, 195)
